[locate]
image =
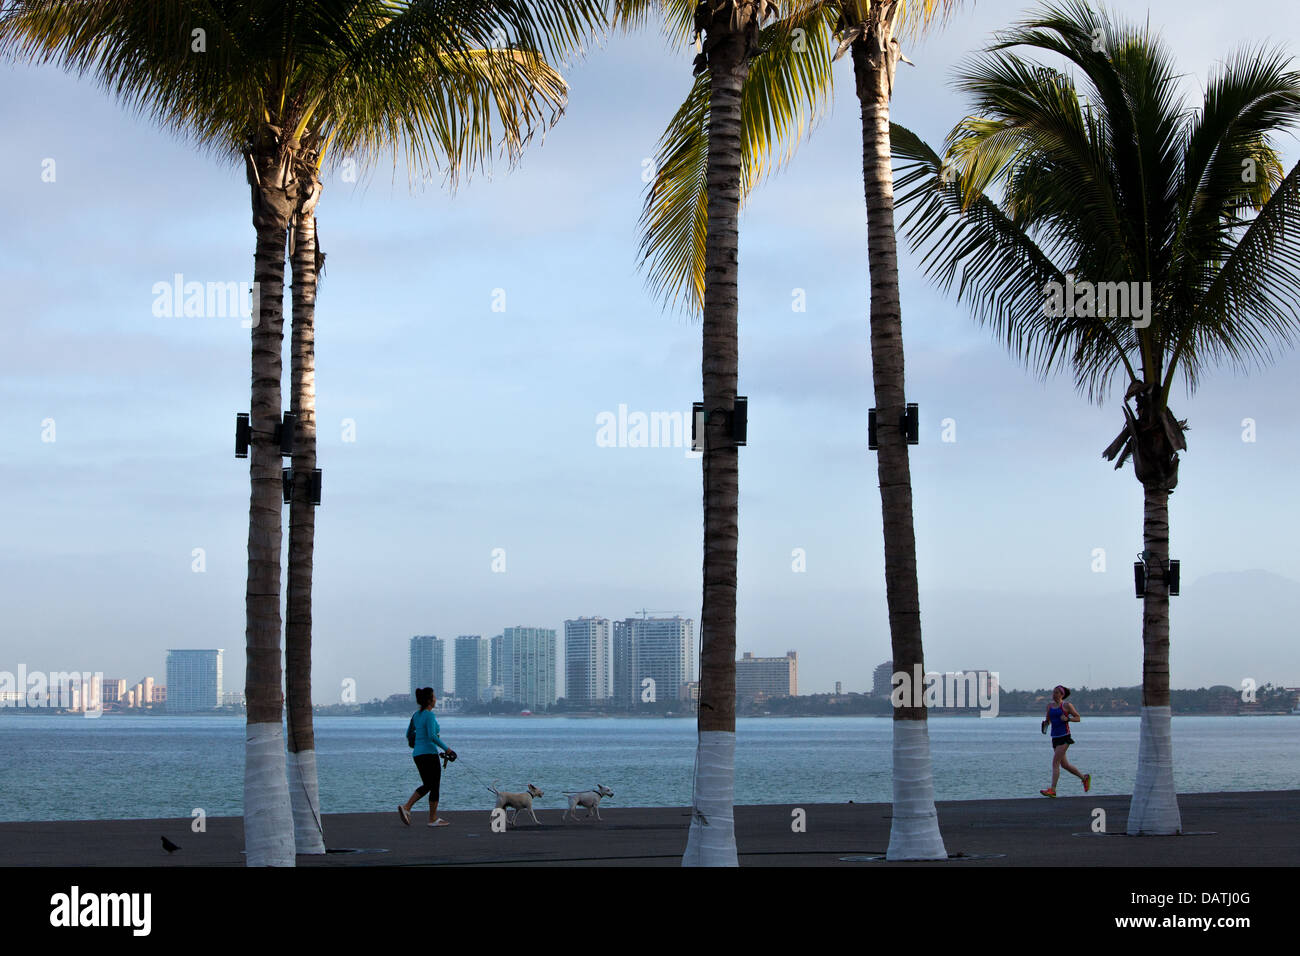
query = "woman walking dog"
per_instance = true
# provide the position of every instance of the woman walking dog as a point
(1060, 714)
(422, 734)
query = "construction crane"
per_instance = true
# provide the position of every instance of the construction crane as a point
(643, 612)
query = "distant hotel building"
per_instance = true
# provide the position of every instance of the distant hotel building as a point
(586, 660)
(659, 648)
(427, 663)
(882, 683)
(112, 690)
(193, 680)
(761, 678)
(527, 666)
(473, 667)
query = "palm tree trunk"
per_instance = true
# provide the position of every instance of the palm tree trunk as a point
(914, 828)
(712, 837)
(268, 820)
(1154, 807)
(303, 788)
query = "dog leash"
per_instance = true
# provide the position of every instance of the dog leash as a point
(467, 767)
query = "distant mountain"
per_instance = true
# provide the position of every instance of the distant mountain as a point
(1264, 582)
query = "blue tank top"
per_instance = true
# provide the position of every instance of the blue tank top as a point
(1060, 726)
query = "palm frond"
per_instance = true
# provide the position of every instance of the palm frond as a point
(1252, 299)
(194, 66)
(449, 112)
(999, 271)
(786, 91)
(676, 18)
(1229, 170)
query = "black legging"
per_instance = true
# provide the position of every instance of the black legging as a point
(430, 773)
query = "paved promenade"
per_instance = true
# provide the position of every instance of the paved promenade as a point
(1222, 829)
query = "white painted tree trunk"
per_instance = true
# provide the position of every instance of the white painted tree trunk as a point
(308, 834)
(712, 837)
(1154, 808)
(914, 828)
(268, 821)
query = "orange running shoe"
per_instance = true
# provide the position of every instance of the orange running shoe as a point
(1048, 793)
(1087, 782)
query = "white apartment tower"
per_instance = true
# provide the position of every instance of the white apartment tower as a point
(473, 667)
(586, 660)
(658, 649)
(527, 666)
(427, 658)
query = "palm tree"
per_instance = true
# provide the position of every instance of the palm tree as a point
(306, 260)
(871, 30)
(708, 155)
(279, 83)
(796, 71)
(515, 84)
(1114, 181)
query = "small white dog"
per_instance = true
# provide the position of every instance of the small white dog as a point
(590, 799)
(516, 801)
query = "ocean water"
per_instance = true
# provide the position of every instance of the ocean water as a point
(118, 767)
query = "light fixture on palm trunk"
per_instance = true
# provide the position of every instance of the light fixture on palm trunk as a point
(243, 435)
(313, 485)
(737, 421)
(282, 434)
(1172, 574)
(909, 423)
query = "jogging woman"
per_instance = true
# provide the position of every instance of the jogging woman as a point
(425, 728)
(1059, 715)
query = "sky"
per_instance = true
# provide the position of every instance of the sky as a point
(449, 429)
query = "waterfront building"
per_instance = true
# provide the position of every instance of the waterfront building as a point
(473, 666)
(653, 657)
(427, 662)
(586, 660)
(193, 680)
(760, 678)
(528, 666)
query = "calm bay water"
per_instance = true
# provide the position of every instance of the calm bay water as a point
(117, 767)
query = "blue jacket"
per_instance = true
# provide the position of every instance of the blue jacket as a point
(425, 726)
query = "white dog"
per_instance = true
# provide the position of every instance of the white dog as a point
(516, 801)
(590, 799)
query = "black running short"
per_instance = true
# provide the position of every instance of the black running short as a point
(430, 774)
(1058, 741)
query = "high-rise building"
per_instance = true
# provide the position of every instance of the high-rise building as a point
(586, 660)
(193, 680)
(882, 679)
(765, 677)
(658, 649)
(528, 666)
(427, 659)
(473, 667)
(495, 653)
(141, 694)
(113, 689)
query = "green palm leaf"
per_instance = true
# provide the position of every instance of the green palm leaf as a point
(788, 87)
